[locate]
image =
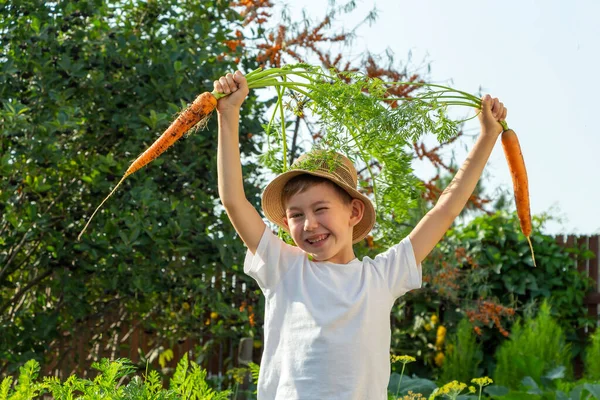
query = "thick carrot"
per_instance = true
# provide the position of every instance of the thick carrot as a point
(516, 165)
(197, 112)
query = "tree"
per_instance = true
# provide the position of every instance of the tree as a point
(85, 86)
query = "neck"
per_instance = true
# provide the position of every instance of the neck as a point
(343, 257)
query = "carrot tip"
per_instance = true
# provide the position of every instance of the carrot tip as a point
(531, 248)
(98, 208)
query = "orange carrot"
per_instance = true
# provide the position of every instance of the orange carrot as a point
(516, 165)
(197, 112)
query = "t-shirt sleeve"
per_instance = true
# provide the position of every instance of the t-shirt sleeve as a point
(273, 258)
(400, 268)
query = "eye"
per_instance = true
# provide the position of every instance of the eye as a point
(321, 209)
(297, 215)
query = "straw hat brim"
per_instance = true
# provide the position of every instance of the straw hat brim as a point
(275, 212)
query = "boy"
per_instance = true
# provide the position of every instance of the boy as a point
(327, 316)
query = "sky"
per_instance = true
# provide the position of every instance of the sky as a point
(541, 58)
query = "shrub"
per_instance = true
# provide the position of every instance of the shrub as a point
(463, 355)
(592, 358)
(532, 350)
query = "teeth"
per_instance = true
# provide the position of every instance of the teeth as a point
(317, 239)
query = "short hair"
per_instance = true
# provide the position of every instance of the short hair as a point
(301, 183)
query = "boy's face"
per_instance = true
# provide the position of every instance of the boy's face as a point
(321, 223)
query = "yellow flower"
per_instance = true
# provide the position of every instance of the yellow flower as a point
(238, 374)
(413, 396)
(482, 381)
(441, 331)
(434, 394)
(434, 319)
(428, 327)
(213, 315)
(440, 336)
(472, 389)
(452, 389)
(439, 359)
(402, 359)
(185, 305)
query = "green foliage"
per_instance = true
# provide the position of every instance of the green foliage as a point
(463, 355)
(409, 384)
(254, 371)
(189, 382)
(504, 270)
(86, 86)
(488, 259)
(552, 388)
(592, 357)
(356, 119)
(534, 348)
(26, 386)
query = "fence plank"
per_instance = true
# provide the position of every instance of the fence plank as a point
(582, 263)
(593, 300)
(595, 262)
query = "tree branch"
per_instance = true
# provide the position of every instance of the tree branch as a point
(21, 292)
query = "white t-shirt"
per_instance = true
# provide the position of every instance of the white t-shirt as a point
(327, 325)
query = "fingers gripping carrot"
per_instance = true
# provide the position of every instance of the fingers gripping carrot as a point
(197, 112)
(516, 165)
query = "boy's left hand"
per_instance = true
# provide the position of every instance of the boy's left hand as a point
(492, 111)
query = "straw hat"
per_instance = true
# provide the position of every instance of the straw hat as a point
(326, 164)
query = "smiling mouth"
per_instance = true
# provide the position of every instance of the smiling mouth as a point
(317, 239)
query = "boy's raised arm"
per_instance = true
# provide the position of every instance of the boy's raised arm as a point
(430, 230)
(244, 217)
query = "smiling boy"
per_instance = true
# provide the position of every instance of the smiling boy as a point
(327, 314)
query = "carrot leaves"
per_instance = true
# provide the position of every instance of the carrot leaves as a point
(357, 117)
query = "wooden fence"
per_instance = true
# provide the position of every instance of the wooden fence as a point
(590, 267)
(113, 335)
(117, 334)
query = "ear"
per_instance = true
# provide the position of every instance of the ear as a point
(357, 208)
(285, 222)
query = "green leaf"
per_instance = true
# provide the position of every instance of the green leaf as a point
(556, 373)
(416, 385)
(178, 66)
(5, 387)
(496, 390)
(594, 389)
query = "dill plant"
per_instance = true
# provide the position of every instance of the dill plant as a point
(533, 349)
(463, 355)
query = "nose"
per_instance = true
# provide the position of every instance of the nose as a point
(310, 223)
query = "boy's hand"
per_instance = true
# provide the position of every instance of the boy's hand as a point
(236, 85)
(492, 111)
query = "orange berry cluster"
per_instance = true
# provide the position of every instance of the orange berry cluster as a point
(250, 309)
(490, 313)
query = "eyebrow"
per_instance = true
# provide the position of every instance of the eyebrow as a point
(316, 203)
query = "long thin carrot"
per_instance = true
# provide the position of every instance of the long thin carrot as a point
(516, 165)
(198, 112)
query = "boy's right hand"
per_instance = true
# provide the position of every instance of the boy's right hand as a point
(236, 85)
